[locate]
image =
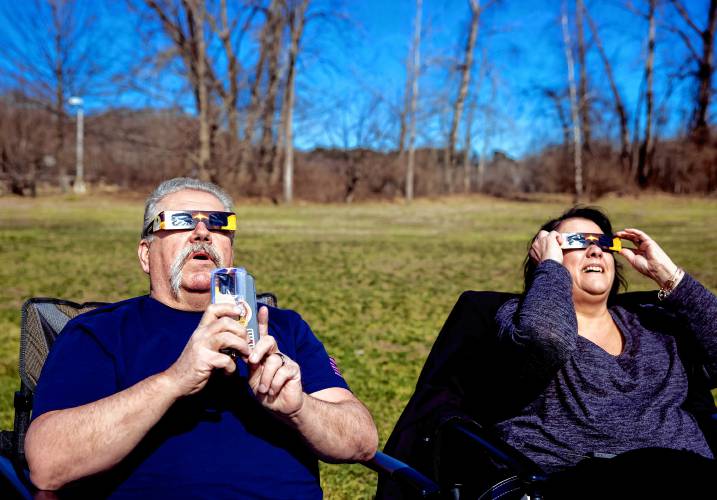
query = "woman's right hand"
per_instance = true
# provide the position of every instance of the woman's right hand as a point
(546, 245)
(649, 258)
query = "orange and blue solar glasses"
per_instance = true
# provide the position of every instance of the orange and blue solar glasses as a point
(606, 242)
(183, 220)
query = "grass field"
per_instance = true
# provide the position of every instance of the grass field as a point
(375, 281)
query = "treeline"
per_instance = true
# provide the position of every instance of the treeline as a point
(134, 149)
(223, 91)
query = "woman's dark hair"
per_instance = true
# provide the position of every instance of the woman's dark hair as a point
(593, 214)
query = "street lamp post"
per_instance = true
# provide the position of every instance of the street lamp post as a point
(79, 185)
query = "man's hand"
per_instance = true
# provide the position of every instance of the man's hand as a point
(335, 424)
(218, 329)
(273, 376)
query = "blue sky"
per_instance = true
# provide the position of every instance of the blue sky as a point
(351, 74)
(521, 42)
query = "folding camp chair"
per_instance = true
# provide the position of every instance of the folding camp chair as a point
(445, 420)
(465, 388)
(42, 321)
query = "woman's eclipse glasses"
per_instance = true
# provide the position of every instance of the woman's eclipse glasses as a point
(183, 220)
(606, 242)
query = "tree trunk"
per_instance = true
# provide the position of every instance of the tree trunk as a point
(564, 125)
(204, 154)
(467, 146)
(625, 156)
(59, 107)
(577, 140)
(414, 72)
(297, 28)
(405, 109)
(699, 127)
(230, 98)
(449, 159)
(583, 98)
(267, 147)
(644, 161)
(488, 123)
(701, 130)
(245, 171)
(564, 122)
(191, 47)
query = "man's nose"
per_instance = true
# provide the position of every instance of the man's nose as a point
(201, 232)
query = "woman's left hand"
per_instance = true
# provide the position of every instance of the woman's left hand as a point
(647, 257)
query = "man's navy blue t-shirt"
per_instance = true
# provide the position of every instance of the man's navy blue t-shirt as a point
(218, 443)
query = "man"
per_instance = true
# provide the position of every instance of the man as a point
(136, 398)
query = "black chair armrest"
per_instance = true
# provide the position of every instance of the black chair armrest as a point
(403, 474)
(467, 433)
(14, 482)
(464, 447)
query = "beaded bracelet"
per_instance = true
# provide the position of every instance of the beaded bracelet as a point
(670, 284)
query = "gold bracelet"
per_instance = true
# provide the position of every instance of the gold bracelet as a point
(670, 284)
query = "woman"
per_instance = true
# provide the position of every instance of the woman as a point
(614, 383)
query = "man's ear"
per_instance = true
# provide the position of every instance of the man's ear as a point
(143, 254)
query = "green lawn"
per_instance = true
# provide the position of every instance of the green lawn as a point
(375, 281)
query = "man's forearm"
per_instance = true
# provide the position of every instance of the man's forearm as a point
(341, 431)
(65, 445)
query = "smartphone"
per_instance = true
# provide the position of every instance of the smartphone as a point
(234, 285)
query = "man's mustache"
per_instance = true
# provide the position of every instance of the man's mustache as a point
(207, 248)
(183, 257)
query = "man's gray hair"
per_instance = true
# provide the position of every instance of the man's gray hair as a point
(180, 184)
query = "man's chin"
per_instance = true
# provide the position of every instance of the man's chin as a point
(198, 281)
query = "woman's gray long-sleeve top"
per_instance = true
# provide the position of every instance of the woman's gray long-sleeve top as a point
(596, 402)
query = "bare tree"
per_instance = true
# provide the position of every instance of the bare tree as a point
(583, 97)
(465, 68)
(196, 13)
(565, 126)
(49, 54)
(296, 22)
(467, 146)
(413, 74)
(699, 127)
(255, 107)
(59, 69)
(489, 120)
(273, 45)
(23, 137)
(577, 139)
(645, 154)
(184, 23)
(355, 123)
(625, 156)
(227, 30)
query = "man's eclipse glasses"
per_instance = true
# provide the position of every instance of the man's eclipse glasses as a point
(606, 242)
(183, 220)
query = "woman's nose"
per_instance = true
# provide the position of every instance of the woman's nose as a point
(594, 251)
